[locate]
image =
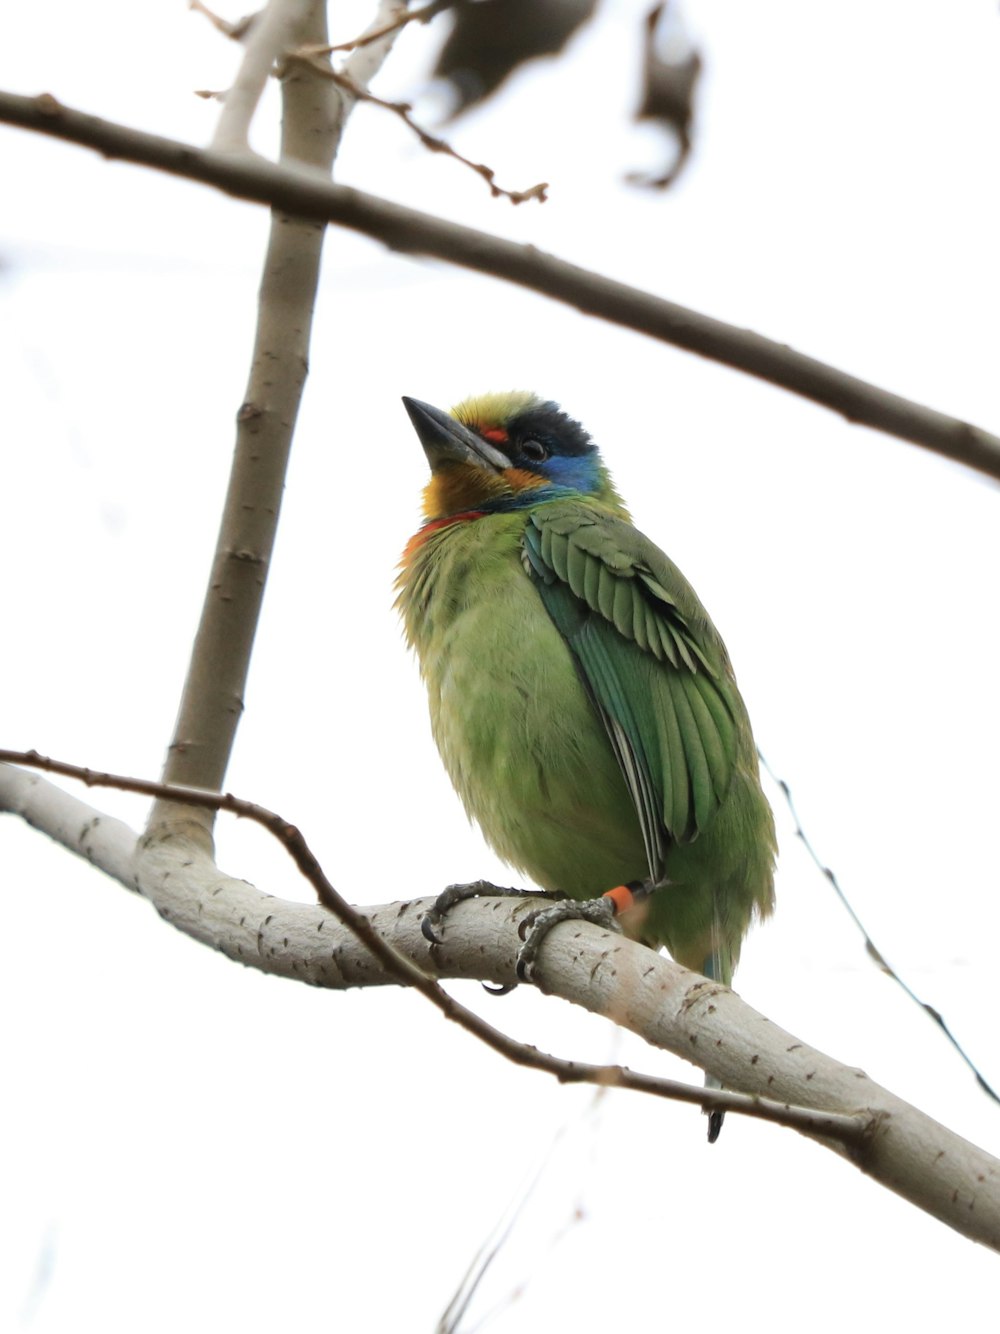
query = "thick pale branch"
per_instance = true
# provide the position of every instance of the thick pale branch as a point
(159, 867)
(309, 195)
(106, 843)
(654, 997)
(212, 699)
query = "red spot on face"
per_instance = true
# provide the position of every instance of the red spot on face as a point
(496, 434)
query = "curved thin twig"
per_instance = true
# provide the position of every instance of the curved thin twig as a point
(432, 142)
(873, 951)
(847, 1129)
(422, 15)
(663, 1003)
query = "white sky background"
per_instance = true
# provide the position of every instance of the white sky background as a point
(187, 1144)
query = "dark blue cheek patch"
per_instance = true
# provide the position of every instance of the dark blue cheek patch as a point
(579, 472)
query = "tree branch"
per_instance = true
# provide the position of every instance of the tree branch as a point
(432, 142)
(212, 699)
(422, 15)
(279, 25)
(375, 42)
(398, 965)
(308, 195)
(628, 983)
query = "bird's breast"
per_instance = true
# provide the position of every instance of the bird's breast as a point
(517, 731)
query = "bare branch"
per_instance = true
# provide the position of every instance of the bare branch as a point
(308, 195)
(234, 31)
(399, 966)
(280, 25)
(433, 143)
(422, 15)
(872, 950)
(108, 844)
(212, 699)
(665, 1004)
(375, 43)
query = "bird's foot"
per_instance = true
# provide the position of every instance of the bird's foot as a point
(602, 911)
(535, 926)
(477, 889)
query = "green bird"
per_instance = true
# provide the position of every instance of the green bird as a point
(582, 701)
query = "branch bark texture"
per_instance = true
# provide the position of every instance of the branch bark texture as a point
(668, 1006)
(278, 26)
(314, 115)
(308, 195)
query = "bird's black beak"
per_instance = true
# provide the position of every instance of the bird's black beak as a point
(447, 441)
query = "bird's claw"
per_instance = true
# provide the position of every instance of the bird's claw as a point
(452, 894)
(428, 922)
(533, 927)
(504, 989)
(536, 925)
(446, 900)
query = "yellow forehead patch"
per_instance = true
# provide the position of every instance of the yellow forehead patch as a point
(494, 409)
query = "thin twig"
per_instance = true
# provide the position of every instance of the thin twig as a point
(845, 1128)
(234, 31)
(422, 15)
(874, 953)
(374, 45)
(211, 702)
(410, 231)
(432, 142)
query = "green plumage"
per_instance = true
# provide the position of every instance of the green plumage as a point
(581, 699)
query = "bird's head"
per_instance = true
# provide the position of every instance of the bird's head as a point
(501, 452)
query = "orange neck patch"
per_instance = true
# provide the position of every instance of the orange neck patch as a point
(519, 479)
(459, 488)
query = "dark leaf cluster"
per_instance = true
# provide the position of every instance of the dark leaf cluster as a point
(491, 39)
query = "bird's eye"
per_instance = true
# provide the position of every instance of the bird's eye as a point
(534, 450)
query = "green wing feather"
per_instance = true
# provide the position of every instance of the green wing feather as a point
(652, 661)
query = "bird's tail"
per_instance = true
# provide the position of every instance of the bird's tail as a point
(719, 967)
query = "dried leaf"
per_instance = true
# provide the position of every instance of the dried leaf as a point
(669, 82)
(491, 38)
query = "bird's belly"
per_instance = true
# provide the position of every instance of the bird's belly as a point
(526, 749)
